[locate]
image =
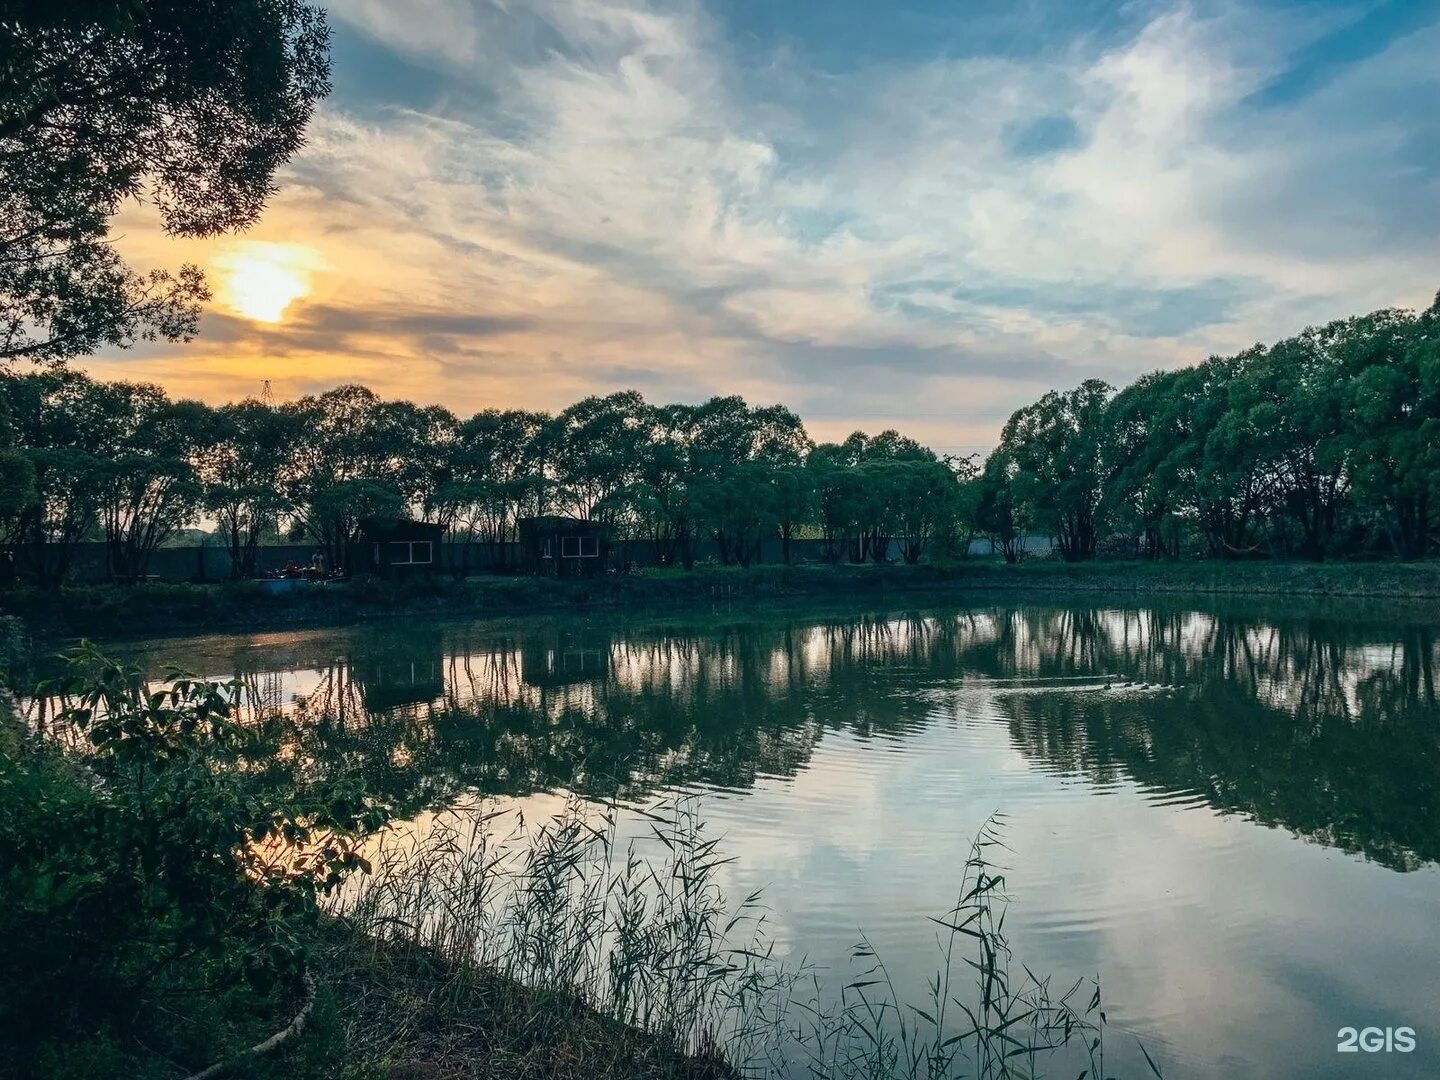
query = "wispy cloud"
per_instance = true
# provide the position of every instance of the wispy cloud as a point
(606, 192)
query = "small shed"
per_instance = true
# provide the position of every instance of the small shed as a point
(563, 546)
(397, 547)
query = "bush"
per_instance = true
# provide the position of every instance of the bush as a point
(158, 854)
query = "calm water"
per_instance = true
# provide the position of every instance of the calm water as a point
(1231, 815)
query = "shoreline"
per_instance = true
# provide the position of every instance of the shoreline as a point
(116, 611)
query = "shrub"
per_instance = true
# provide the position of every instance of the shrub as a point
(157, 852)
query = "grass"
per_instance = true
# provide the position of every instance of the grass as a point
(632, 965)
(162, 608)
(1008, 1025)
(560, 952)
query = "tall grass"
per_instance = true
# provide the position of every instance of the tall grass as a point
(564, 909)
(567, 912)
(978, 1018)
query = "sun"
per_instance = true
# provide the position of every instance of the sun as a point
(260, 280)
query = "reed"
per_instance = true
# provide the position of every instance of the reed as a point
(577, 928)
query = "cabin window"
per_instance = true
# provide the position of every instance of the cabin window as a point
(579, 547)
(411, 553)
(548, 551)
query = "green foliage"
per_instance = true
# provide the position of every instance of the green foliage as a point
(56, 422)
(492, 476)
(1000, 509)
(192, 104)
(149, 488)
(14, 653)
(1322, 444)
(240, 463)
(1055, 448)
(157, 848)
(18, 492)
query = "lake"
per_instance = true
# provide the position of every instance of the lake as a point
(1230, 812)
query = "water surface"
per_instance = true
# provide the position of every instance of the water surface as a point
(1230, 814)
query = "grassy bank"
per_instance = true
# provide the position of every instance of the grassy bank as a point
(181, 896)
(157, 608)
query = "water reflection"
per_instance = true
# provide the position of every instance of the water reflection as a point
(1232, 815)
(1324, 725)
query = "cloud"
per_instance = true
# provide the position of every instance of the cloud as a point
(613, 191)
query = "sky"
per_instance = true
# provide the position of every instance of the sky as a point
(919, 214)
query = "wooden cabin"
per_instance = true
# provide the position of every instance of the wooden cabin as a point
(564, 547)
(397, 548)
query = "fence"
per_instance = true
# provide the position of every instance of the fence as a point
(211, 562)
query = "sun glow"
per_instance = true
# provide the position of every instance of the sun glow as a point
(261, 280)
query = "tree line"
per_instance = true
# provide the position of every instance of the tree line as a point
(122, 462)
(1324, 444)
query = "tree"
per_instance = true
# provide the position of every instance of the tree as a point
(493, 476)
(722, 468)
(923, 498)
(1393, 424)
(735, 452)
(661, 497)
(18, 492)
(794, 502)
(241, 465)
(422, 441)
(739, 506)
(148, 485)
(192, 104)
(348, 464)
(964, 524)
(1141, 481)
(594, 452)
(902, 489)
(336, 510)
(1293, 394)
(1054, 446)
(1223, 482)
(56, 423)
(999, 511)
(837, 495)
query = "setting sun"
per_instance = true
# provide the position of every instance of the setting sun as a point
(261, 280)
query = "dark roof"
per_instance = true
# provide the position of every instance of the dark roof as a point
(400, 527)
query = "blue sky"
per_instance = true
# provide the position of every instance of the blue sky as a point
(917, 214)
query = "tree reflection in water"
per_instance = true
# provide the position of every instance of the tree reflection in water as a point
(1323, 724)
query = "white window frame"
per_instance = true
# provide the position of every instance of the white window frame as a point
(574, 547)
(413, 548)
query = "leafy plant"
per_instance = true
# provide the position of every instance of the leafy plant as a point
(157, 849)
